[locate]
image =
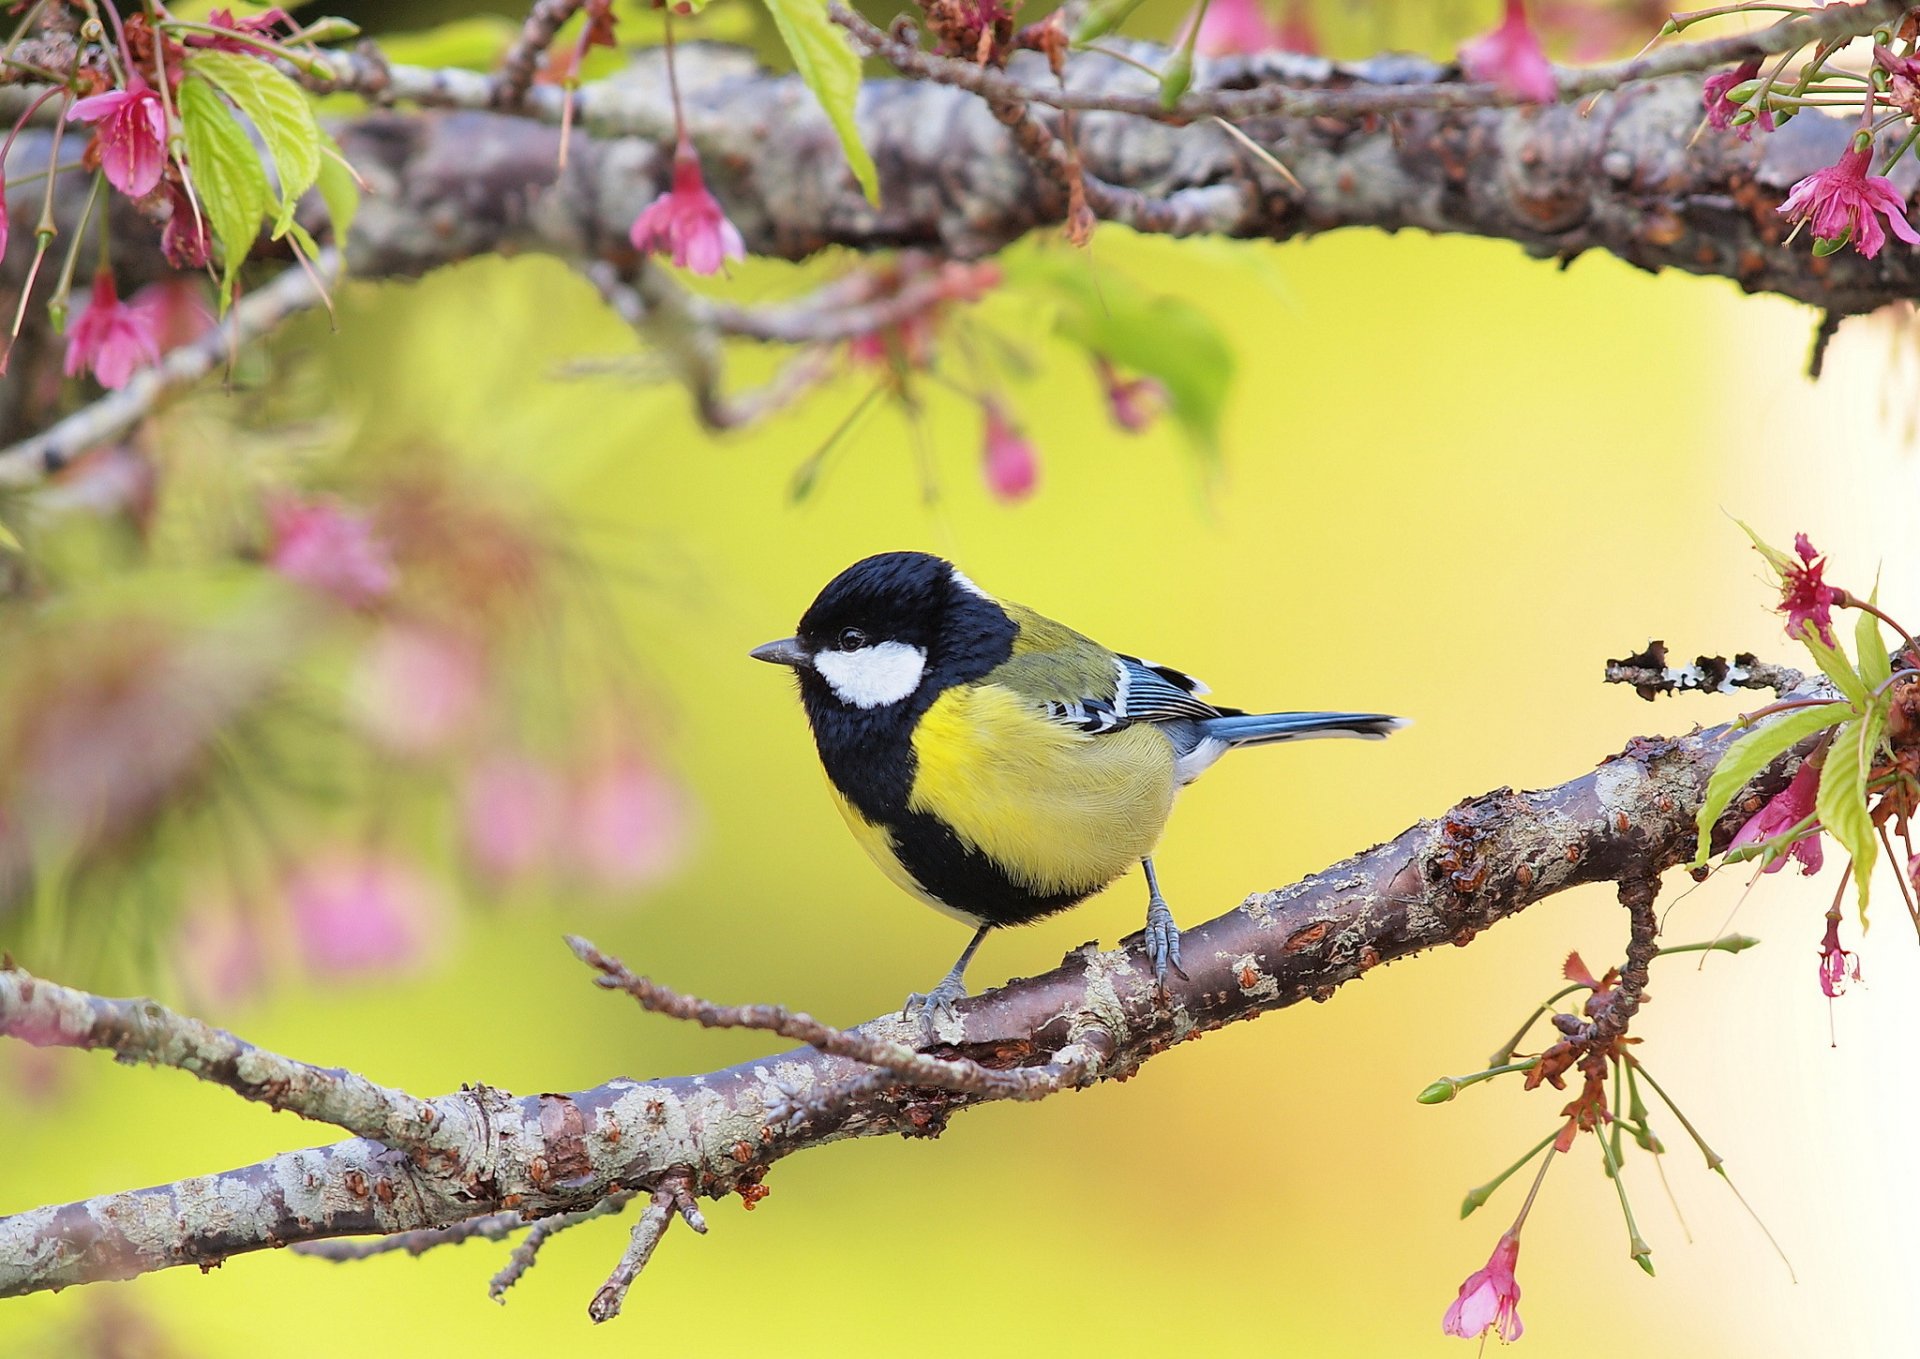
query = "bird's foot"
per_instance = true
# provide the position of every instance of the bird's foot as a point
(1162, 942)
(936, 1006)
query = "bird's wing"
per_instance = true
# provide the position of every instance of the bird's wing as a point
(1081, 684)
(1150, 692)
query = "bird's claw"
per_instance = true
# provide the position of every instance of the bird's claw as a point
(936, 1006)
(1162, 943)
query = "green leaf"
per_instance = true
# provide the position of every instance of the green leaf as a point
(279, 111)
(1753, 753)
(1841, 803)
(1875, 665)
(1837, 667)
(831, 69)
(339, 190)
(8, 542)
(227, 176)
(1163, 336)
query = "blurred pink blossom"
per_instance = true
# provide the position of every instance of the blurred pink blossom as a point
(111, 337)
(331, 549)
(1234, 26)
(357, 911)
(419, 689)
(218, 948)
(1007, 459)
(511, 809)
(1511, 57)
(627, 825)
(687, 222)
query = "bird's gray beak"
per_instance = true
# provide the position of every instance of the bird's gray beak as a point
(786, 651)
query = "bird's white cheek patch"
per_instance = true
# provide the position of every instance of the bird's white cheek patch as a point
(873, 676)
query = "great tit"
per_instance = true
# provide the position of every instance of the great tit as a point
(996, 764)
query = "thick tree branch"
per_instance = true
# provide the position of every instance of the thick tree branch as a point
(1096, 1016)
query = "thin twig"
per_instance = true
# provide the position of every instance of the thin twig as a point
(956, 1074)
(647, 1232)
(487, 1226)
(522, 62)
(522, 1258)
(1650, 675)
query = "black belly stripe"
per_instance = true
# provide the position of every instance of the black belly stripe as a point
(967, 880)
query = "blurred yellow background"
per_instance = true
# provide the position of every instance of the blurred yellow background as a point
(1456, 481)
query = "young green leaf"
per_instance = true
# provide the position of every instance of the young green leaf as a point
(1837, 667)
(1752, 753)
(832, 71)
(1841, 803)
(227, 176)
(278, 110)
(1875, 664)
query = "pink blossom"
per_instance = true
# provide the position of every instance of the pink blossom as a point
(1837, 965)
(627, 824)
(1007, 459)
(1843, 200)
(177, 305)
(130, 126)
(1783, 812)
(1510, 57)
(354, 911)
(511, 809)
(1721, 109)
(1232, 26)
(1805, 596)
(687, 222)
(111, 337)
(330, 549)
(1296, 32)
(219, 949)
(1490, 1297)
(418, 689)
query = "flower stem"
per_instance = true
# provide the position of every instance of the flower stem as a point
(1638, 1249)
(1476, 1197)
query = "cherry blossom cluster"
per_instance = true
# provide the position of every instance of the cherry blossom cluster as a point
(122, 86)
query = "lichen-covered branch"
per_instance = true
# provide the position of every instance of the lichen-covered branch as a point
(1096, 1016)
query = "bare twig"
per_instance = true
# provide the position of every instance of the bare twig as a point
(646, 1235)
(109, 417)
(487, 1227)
(961, 1076)
(517, 70)
(523, 1255)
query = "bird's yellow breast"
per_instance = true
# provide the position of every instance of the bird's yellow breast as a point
(1059, 809)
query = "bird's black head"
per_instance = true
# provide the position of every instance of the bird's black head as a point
(895, 627)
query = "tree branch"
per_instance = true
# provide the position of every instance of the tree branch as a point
(1096, 1016)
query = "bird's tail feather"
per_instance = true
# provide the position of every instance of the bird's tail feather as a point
(1252, 729)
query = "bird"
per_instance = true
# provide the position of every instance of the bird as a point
(998, 765)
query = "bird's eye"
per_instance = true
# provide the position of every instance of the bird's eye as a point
(851, 639)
